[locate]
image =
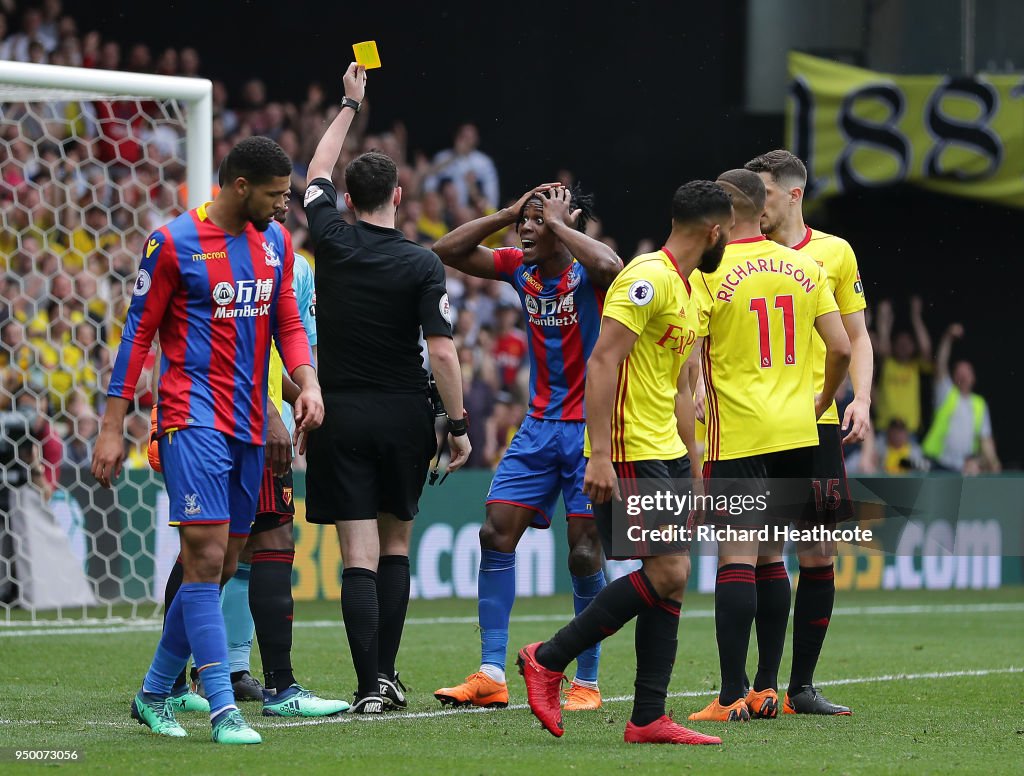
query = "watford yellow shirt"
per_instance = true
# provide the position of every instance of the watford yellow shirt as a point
(653, 300)
(275, 379)
(757, 312)
(899, 393)
(836, 257)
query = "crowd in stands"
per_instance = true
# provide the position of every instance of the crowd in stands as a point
(82, 183)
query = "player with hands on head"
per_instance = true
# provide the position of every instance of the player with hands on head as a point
(560, 275)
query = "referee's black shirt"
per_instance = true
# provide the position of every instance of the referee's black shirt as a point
(374, 291)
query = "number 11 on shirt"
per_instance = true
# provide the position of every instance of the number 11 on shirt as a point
(783, 302)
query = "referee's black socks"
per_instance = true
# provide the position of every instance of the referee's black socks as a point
(392, 605)
(360, 610)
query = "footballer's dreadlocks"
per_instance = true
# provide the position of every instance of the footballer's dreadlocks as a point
(579, 200)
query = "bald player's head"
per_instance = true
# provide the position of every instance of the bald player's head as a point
(747, 191)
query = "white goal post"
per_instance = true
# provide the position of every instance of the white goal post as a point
(91, 162)
(41, 82)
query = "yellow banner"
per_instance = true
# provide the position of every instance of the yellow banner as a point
(857, 129)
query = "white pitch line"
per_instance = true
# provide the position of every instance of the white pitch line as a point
(347, 719)
(26, 629)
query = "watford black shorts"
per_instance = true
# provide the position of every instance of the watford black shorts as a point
(276, 504)
(781, 479)
(371, 455)
(657, 475)
(830, 490)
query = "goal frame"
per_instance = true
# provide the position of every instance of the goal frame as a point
(195, 93)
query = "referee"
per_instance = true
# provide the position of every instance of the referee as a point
(367, 467)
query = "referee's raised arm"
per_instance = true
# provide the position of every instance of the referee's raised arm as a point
(367, 464)
(329, 148)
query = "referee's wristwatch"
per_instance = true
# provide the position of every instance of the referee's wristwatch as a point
(348, 102)
(459, 427)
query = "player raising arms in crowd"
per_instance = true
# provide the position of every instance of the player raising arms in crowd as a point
(217, 284)
(785, 178)
(561, 275)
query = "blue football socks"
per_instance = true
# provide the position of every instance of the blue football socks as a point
(584, 590)
(496, 587)
(234, 603)
(204, 625)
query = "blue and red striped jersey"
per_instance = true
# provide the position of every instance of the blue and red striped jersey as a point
(563, 319)
(216, 300)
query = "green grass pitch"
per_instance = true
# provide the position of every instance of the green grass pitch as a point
(935, 680)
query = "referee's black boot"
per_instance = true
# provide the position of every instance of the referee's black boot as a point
(392, 691)
(371, 703)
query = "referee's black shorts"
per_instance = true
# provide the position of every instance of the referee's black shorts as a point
(370, 455)
(830, 490)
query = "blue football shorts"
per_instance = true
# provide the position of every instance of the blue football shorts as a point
(544, 459)
(211, 478)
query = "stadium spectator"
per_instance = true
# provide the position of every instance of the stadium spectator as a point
(188, 62)
(48, 32)
(17, 46)
(509, 346)
(960, 438)
(904, 359)
(465, 166)
(898, 453)
(137, 442)
(479, 376)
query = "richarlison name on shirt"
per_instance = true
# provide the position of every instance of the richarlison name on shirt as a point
(731, 280)
(675, 534)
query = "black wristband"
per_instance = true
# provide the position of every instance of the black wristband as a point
(458, 427)
(349, 102)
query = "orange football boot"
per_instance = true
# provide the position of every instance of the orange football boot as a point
(478, 690)
(763, 704)
(716, 712)
(580, 698)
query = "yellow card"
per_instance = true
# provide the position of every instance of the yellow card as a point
(366, 54)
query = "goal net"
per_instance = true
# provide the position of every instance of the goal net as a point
(90, 163)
